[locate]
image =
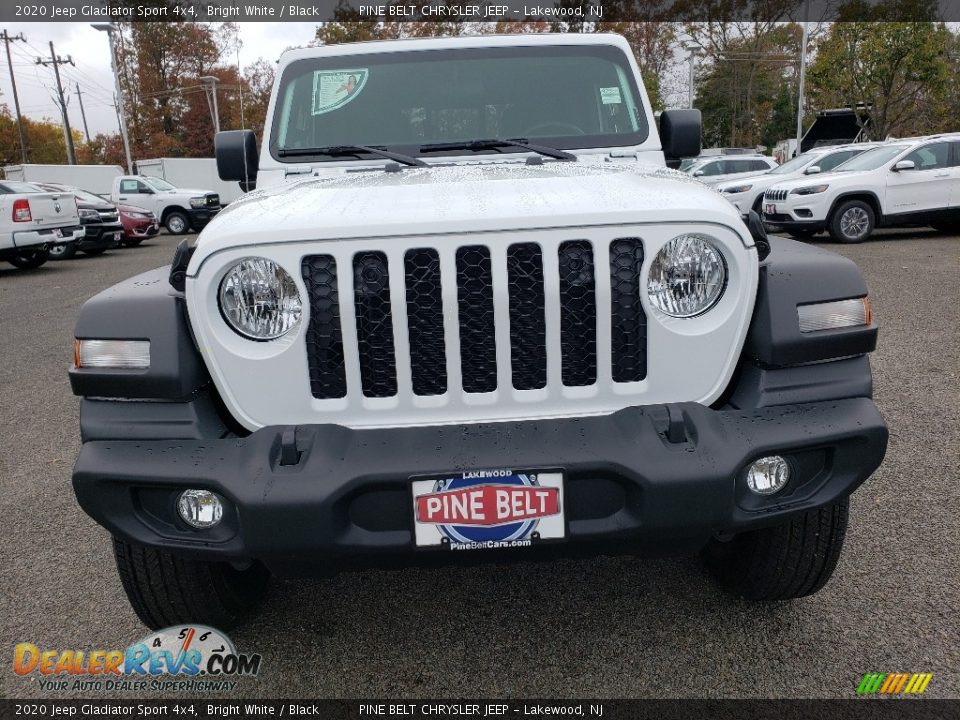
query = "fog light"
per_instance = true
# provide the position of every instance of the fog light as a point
(200, 508)
(768, 475)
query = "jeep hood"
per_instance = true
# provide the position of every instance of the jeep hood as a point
(464, 198)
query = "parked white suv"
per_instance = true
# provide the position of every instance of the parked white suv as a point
(903, 182)
(715, 170)
(746, 193)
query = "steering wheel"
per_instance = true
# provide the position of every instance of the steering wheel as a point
(553, 124)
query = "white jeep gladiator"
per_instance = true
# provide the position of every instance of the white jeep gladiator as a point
(469, 313)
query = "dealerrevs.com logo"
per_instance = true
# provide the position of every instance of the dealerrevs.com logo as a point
(193, 658)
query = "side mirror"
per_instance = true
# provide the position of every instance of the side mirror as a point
(680, 134)
(697, 173)
(905, 165)
(812, 170)
(237, 157)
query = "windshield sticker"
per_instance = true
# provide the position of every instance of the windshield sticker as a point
(333, 89)
(610, 96)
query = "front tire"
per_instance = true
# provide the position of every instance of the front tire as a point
(782, 562)
(177, 223)
(852, 222)
(29, 259)
(166, 589)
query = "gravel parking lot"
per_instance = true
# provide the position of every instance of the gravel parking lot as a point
(607, 628)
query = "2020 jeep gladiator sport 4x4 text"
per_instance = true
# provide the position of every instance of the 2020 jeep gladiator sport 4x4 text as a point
(468, 308)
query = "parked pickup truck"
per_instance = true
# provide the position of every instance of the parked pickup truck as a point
(180, 209)
(100, 220)
(33, 221)
(468, 314)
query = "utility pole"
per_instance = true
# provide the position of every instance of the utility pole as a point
(109, 29)
(57, 61)
(7, 39)
(210, 89)
(86, 131)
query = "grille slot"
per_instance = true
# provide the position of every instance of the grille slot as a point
(628, 322)
(324, 339)
(528, 328)
(478, 353)
(578, 314)
(428, 357)
(371, 291)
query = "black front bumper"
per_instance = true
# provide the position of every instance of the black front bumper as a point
(787, 222)
(99, 236)
(667, 476)
(199, 217)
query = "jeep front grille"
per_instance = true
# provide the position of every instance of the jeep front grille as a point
(775, 195)
(437, 288)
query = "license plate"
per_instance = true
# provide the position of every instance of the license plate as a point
(487, 509)
(57, 232)
(770, 209)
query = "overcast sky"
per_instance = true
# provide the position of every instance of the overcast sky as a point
(91, 53)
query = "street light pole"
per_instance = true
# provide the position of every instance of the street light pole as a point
(693, 48)
(803, 74)
(109, 28)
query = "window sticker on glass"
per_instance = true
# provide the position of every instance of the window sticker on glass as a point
(333, 89)
(610, 95)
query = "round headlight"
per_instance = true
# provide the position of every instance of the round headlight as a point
(259, 299)
(687, 276)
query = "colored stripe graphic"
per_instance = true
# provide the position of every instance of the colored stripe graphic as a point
(894, 683)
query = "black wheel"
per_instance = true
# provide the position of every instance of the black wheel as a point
(786, 561)
(851, 222)
(63, 252)
(29, 259)
(177, 223)
(93, 252)
(801, 233)
(131, 242)
(166, 589)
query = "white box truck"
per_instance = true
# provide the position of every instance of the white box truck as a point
(97, 179)
(191, 172)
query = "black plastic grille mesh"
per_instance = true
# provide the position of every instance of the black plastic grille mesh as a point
(428, 357)
(528, 329)
(578, 314)
(324, 340)
(628, 322)
(478, 353)
(371, 294)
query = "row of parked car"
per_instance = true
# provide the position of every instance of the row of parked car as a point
(40, 221)
(850, 190)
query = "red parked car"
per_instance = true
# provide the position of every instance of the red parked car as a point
(138, 224)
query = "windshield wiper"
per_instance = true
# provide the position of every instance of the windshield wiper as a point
(355, 150)
(496, 143)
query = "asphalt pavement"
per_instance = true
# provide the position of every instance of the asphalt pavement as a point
(603, 628)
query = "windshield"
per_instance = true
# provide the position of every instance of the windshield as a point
(158, 184)
(798, 163)
(562, 97)
(871, 159)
